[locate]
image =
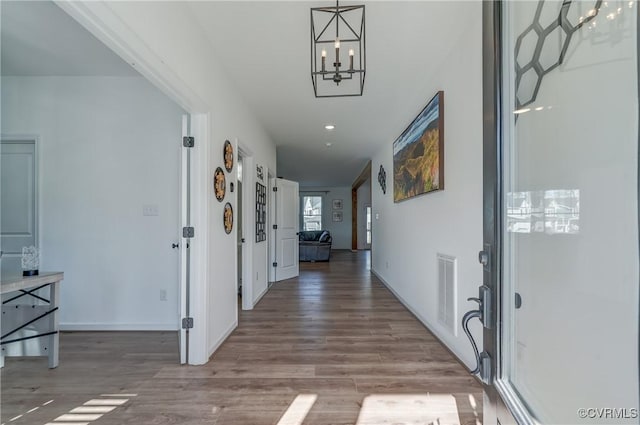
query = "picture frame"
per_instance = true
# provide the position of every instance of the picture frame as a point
(337, 204)
(337, 216)
(261, 212)
(418, 153)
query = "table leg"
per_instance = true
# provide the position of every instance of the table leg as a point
(54, 294)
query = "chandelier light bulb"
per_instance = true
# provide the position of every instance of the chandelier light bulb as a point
(324, 53)
(337, 43)
(351, 52)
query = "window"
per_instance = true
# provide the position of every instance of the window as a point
(312, 213)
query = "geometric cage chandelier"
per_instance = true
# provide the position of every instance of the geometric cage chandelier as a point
(338, 50)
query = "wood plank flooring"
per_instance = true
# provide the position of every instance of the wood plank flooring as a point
(335, 332)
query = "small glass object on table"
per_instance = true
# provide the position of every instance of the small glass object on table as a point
(30, 261)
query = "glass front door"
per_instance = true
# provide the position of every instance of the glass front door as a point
(561, 195)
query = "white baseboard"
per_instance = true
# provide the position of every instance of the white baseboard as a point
(261, 295)
(222, 339)
(118, 326)
(418, 316)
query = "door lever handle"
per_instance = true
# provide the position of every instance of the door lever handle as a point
(175, 245)
(465, 326)
(483, 314)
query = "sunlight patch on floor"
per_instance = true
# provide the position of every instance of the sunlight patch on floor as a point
(91, 410)
(118, 395)
(107, 402)
(78, 417)
(15, 418)
(474, 406)
(409, 409)
(298, 409)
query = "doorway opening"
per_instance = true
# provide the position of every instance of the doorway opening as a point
(360, 199)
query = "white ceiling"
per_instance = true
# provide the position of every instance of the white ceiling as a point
(265, 47)
(40, 39)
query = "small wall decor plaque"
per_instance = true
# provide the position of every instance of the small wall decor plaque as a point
(260, 172)
(337, 204)
(382, 179)
(337, 216)
(228, 218)
(219, 184)
(228, 156)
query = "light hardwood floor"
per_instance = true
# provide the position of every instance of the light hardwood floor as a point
(335, 332)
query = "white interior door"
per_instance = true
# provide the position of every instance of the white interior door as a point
(287, 207)
(19, 219)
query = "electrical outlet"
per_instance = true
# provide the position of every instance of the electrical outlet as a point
(163, 295)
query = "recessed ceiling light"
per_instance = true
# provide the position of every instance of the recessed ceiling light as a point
(329, 126)
(328, 144)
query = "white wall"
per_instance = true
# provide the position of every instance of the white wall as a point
(407, 236)
(183, 64)
(364, 199)
(340, 230)
(107, 146)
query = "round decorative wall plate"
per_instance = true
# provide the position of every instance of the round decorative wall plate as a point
(228, 156)
(219, 184)
(228, 218)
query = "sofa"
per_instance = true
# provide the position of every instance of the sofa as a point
(315, 245)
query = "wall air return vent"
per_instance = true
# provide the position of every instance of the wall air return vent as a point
(447, 292)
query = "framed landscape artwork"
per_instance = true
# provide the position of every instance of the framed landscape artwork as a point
(418, 154)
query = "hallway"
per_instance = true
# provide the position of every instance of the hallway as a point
(335, 332)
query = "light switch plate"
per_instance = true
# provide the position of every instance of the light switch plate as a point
(150, 210)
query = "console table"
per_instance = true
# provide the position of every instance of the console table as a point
(29, 320)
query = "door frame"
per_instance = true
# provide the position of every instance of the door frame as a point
(269, 269)
(272, 232)
(498, 403)
(248, 189)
